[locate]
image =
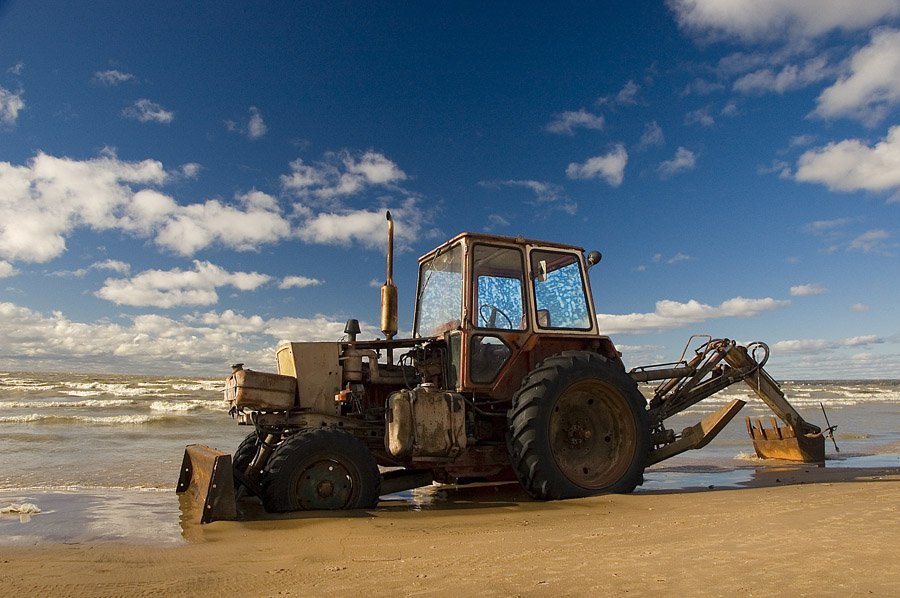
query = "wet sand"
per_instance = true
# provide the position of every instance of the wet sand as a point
(797, 530)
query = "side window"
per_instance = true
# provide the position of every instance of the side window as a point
(499, 297)
(488, 354)
(559, 291)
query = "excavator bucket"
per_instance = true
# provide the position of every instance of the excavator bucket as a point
(783, 442)
(207, 480)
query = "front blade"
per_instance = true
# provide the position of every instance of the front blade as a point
(208, 480)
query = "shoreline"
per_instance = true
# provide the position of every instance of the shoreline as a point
(798, 529)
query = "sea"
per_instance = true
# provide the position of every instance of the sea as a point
(98, 456)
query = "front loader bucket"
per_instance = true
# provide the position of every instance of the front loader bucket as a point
(783, 442)
(208, 481)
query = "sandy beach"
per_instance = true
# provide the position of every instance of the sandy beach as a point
(797, 530)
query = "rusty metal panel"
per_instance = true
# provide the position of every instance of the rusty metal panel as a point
(425, 423)
(247, 389)
(318, 371)
(206, 479)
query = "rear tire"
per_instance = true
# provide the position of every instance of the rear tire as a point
(578, 427)
(321, 469)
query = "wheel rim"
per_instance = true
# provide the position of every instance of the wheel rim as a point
(593, 437)
(325, 484)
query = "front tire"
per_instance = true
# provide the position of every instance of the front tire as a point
(321, 469)
(578, 427)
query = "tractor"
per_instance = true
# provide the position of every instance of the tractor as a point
(506, 376)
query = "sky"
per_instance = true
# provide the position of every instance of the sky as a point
(183, 185)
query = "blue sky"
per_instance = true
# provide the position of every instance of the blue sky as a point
(186, 184)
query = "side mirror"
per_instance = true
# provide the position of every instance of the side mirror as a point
(593, 258)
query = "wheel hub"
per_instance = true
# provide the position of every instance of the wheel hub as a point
(325, 484)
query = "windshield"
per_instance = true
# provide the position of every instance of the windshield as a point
(440, 293)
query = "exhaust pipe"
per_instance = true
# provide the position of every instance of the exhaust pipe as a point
(389, 290)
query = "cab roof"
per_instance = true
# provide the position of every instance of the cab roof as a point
(484, 238)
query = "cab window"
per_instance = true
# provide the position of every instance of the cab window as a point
(499, 289)
(559, 291)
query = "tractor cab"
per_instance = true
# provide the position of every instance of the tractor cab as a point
(501, 303)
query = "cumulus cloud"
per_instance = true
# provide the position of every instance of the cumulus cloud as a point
(652, 136)
(197, 343)
(683, 161)
(805, 290)
(112, 265)
(609, 167)
(873, 241)
(298, 282)
(7, 269)
(48, 198)
(701, 117)
(366, 227)
(146, 111)
(256, 127)
(627, 96)
(778, 19)
(871, 87)
(11, 103)
(564, 123)
(341, 175)
(787, 78)
(673, 314)
(853, 165)
(112, 77)
(176, 287)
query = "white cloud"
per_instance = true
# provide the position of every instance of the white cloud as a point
(7, 269)
(683, 161)
(176, 287)
(10, 106)
(853, 165)
(197, 344)
(673, 314)
(16, 69)
(564, 123)
(873, 241)
(45, 200)
(341, 175)
(872, 85)
(609, 167)
(256, 127)
(145, 111)
(652, 136)
(298, 282)
(112, 265)
(778, 19)
(788, 78)
(366, 227)
(544, 192)
(112, 77)
(859, 308)
(813, 346)
(627, 96)
(701, 117)
(191, 170)
(805, 290)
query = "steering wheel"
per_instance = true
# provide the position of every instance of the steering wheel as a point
(491, 318)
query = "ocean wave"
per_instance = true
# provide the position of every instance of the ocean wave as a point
(108, 420)
(90, 403)
(191, 405)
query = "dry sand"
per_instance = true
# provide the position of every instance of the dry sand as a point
(800, 531)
